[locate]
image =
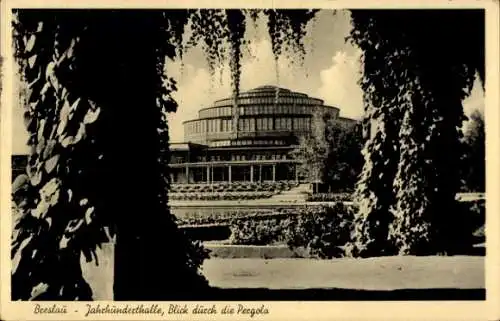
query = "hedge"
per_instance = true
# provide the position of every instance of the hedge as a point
(329, 197)
(320, 229)
(227, 187)
(325, 230)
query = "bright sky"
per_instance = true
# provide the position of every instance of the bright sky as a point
(331, 71)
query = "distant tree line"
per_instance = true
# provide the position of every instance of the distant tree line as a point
(332, 154)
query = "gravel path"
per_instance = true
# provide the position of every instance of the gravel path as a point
(386, 273)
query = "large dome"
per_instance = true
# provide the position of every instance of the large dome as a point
(267, 115)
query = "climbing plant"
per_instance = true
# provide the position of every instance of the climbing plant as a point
(97, 95)
(418, 67)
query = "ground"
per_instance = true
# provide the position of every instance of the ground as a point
(385, 273)
(437, 277)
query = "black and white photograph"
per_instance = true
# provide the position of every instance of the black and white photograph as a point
(243, 154)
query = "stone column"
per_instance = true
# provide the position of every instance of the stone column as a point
(296, 173)
(274, 172)
(208, 174)
(187, 174)
(212, 174)
(251, 173)
(229, 173)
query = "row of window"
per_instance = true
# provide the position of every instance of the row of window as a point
(270, 99)
(248, 124)
(257, 110)
(243, 157)
(224, 143)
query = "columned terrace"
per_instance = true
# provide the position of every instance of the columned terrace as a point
(235, 171)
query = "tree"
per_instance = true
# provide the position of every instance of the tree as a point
(331, 154)
(475, 157)
(344, 160)
(97, 95)
(312, 151)
(418, 67)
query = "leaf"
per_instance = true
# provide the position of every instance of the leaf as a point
(91, 116)
(73, 225)
(64, 242)
(66, 141)
(36, 177)
(51, 163)
(18, 253)
(32, 61)
(30, 44)
(88, 215)
(38, 290)
(63, 118)
(49, 148)
(51, 75)
(39, 28)
(74, 106)
(41, 127)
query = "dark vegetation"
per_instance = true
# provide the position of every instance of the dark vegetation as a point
(85, 91)
(324, 231)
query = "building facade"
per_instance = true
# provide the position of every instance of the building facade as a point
(270, 122)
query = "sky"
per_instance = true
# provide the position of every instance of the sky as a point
(331, 70)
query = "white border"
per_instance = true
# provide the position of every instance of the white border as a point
(438, 310)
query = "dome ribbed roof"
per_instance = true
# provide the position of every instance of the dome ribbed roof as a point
(267, 89)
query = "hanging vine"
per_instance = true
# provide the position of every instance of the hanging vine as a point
(77, 67)
(415, 76)
(58, 222)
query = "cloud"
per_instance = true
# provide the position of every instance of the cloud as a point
(196, 88)
(339, 84)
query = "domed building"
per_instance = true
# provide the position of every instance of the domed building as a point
(250, 143)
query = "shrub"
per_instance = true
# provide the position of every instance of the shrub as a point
(468, 226)
(325, 230)
(320, 229)
(259, 232)
(233, 187)
(214, 196)
(329, 197)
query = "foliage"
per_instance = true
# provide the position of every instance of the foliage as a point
(215, 217)
(77, 67)
(474, 165)
(329, 197)
(312, 151)
(258, 232)
(325, 231)
(331, 154)
(84, 90)
(277, 186)
(216, 196)
(322, 230)
(417, 69)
